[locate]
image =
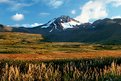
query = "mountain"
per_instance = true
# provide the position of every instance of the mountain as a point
(5, 28)
(67, 29)
(59, 24)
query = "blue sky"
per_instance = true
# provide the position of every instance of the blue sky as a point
(35, 12)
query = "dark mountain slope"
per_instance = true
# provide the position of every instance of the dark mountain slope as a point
(100, 31)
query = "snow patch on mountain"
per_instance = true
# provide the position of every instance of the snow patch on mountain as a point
(70, 24)
(55, 27)
(49, 23)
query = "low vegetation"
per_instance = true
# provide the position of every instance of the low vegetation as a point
(23, 43)
(8, 38)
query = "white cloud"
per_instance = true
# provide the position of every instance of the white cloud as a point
(27, 25)
(96, 9)
(92, 10)
(15, 25)
(31, 25)
(119, 16)
(18, 17)
(73, 12)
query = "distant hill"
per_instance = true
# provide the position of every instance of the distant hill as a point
(66, 29)
(9, 38)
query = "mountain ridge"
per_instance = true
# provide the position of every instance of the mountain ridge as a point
(102, 30)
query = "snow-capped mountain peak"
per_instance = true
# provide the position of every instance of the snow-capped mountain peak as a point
(61, 23)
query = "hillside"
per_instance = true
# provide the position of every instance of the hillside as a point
(13, 38)
(19, 43)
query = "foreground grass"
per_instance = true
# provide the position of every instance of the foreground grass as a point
(100, 69)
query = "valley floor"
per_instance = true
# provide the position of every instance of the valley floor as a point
(63, 55)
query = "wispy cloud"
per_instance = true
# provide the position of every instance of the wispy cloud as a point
(4, 1)
(16, 4)
(54, 3)
(44, 14)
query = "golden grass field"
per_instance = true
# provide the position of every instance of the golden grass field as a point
(24, 46)
(62, 55)
(26, 57)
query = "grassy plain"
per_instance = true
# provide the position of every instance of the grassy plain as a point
(23, 46)
(26, 57)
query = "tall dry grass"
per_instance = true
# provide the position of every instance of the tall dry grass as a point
(70, 71)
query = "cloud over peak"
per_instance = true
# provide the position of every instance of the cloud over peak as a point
(118, 16)
(92, 10)
(96, 9)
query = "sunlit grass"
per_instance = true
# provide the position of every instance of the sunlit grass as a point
(24, 43)
(99, 69)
